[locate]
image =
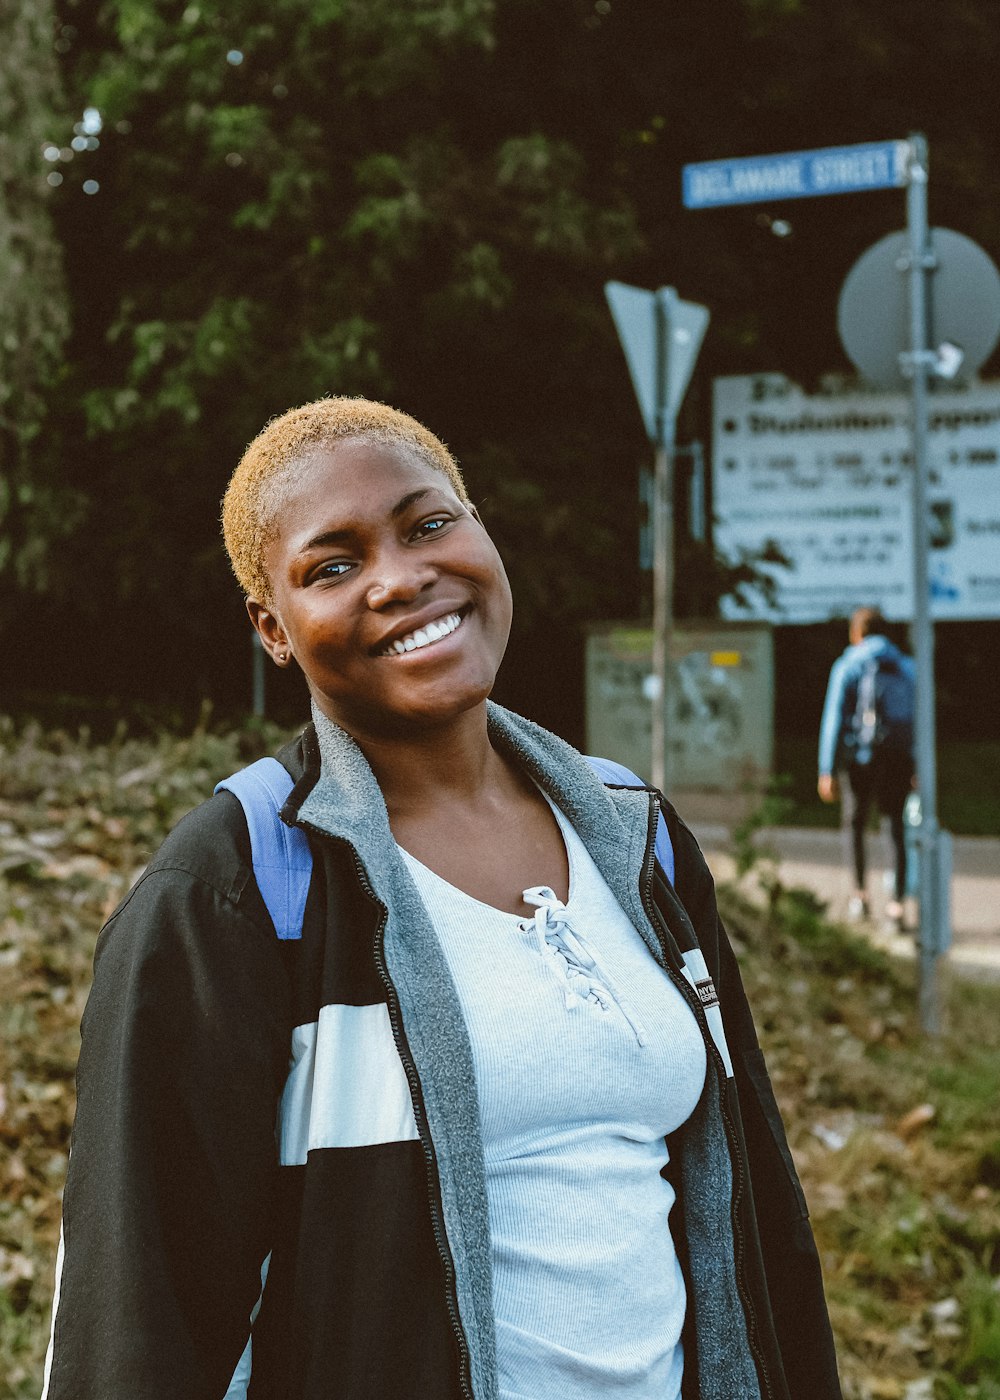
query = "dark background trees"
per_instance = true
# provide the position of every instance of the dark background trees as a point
(33, 319)
(421, 201)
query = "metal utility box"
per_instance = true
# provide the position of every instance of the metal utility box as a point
(720, 717)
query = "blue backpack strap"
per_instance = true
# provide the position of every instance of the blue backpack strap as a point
(616, 773)
(282, 860)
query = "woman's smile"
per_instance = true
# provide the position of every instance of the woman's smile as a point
(424, 635)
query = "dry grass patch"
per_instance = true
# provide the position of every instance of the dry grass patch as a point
(898, 1143)
(898, 1140)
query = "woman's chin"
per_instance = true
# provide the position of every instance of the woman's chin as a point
(440, 711)
(416, 717)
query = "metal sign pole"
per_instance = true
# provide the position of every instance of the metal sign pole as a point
(663, 546)
(844, 170)
(661, 336)
(919, 262)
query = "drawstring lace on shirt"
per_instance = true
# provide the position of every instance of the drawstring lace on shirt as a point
(586, 979)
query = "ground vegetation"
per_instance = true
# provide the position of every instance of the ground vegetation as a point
(897, 1138)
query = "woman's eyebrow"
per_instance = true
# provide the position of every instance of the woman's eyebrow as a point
(408, 500)
(341, 536)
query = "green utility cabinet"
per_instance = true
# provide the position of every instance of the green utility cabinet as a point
(720, 712)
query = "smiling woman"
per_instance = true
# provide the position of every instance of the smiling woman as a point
(488, 1120)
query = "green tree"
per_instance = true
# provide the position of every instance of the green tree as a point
(33, 309)
(421, 201)
(298, 199)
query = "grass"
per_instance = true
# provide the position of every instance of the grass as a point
(897, 1139)
(898, 1143)
(968, 802)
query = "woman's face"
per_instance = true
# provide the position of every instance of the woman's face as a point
(386, 589)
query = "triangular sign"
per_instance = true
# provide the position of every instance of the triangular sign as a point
(686, 324)
(634, 313)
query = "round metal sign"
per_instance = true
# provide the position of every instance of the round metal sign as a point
(873, 315)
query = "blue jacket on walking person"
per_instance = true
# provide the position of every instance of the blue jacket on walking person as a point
(866, 734)
(838, 742)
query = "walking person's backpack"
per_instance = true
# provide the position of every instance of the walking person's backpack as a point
(883, 710)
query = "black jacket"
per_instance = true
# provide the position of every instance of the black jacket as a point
(369, 1213)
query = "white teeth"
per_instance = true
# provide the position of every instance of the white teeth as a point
(423, 636)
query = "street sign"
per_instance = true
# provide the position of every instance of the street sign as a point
(827, 478)
(660, 378)
(876, 165)
(661, 336)
(686, 324)
(633, 310)
(848, 170)
(963, 307)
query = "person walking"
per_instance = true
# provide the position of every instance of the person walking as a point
(866, 733)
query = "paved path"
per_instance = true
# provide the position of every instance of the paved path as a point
(817, 860)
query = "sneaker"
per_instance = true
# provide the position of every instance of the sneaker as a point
(857, 908)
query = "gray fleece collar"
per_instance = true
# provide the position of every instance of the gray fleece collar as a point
(348, 793)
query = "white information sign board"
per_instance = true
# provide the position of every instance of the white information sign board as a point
(827, 478)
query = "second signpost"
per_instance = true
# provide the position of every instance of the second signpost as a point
(847, 170)
(661, 336)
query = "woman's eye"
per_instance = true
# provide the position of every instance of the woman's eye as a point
(435, 523)
(336, 568)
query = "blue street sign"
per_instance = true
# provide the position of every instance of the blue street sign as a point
(877, 165)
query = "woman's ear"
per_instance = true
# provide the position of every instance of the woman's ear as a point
(272, 634)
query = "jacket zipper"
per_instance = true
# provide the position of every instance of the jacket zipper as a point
(416, 1095)
(735, 1156)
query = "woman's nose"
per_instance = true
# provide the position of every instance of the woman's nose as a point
(399, 577)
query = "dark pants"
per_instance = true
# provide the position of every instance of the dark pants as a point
(885, 782)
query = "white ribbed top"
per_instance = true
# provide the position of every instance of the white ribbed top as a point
(585, 1055)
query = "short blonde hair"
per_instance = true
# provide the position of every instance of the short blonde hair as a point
(279, 453)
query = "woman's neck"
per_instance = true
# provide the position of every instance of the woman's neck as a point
(452, 763)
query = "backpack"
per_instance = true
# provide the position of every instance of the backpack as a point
(282, 860)
(883, 710)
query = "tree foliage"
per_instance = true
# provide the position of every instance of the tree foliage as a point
(421, 202)
(33, 312)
